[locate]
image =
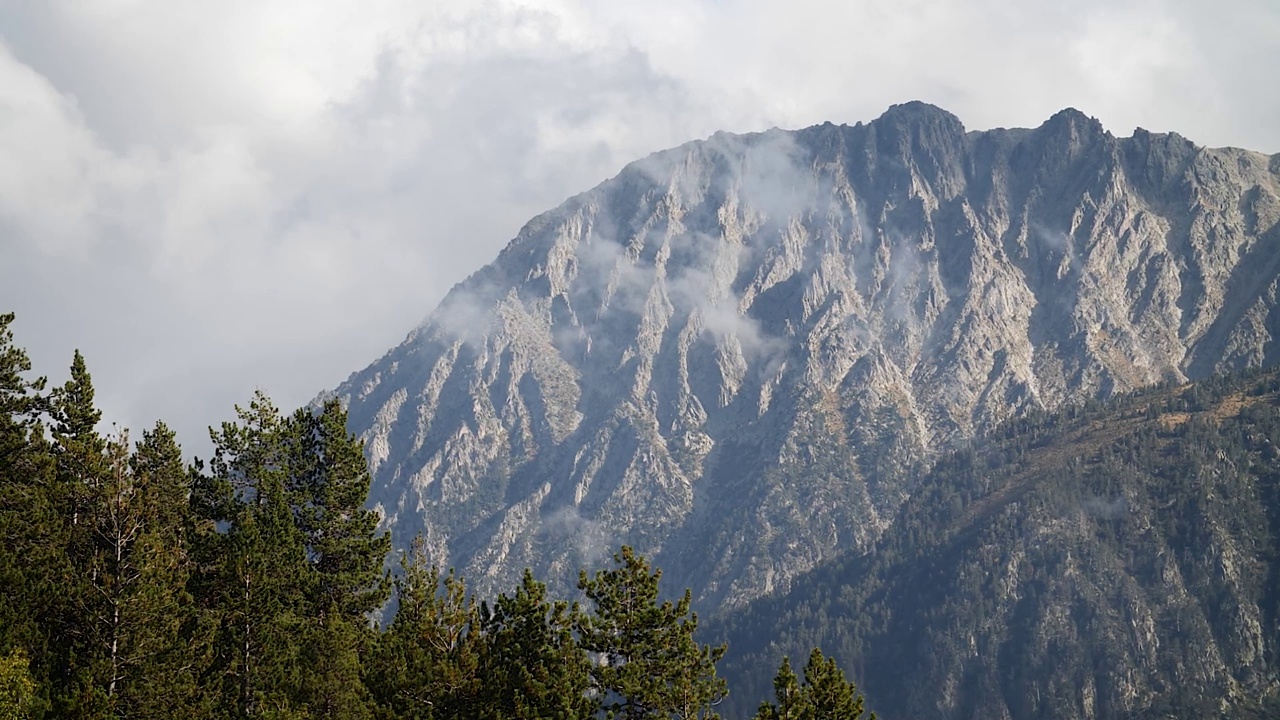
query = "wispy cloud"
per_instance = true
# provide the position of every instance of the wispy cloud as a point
(212, 198)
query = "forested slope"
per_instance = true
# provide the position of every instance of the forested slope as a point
(1108, 561)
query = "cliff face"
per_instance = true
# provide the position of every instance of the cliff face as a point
(733, 354)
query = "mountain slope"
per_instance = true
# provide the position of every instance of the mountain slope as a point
(734, 354)
(1117, 562)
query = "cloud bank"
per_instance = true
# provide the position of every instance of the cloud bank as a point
(212, 197)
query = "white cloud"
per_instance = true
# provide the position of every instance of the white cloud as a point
(209, 197)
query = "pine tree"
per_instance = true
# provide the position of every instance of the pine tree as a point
(292, 561)
(254, 577)
(267, 618)
(332, 685)
(428, 661)
(329, 483)
(649, 664)
(81, 452)
(21, 403)
(533, 668)
(329, 477)
(113, 514)
(31, 541)
(825, 694)
(830, 695)
(792, 701)
(159, 646)
(131, 579)
(17, 687)
(78, 613)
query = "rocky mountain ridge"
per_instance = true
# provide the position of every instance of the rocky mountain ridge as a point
(736, 354)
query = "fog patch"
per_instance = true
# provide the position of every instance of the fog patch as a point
(1053, 239)
(591, 539)
(468, 313)
(772, 173)
(1105, 509)
(705, 290)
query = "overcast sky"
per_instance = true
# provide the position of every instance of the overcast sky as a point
(212, 197)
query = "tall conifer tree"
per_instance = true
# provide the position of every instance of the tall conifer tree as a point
(428, 661)
(31, 539)
(158, 646)
(650, 665)
(254, 575)
(831, 696)
(825, 694)
(329, 478)
(533, 667)
(329, 483)
(81, 610)
(792, 700)
(293, 562)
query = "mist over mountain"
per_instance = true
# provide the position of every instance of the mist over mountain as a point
(738, 354)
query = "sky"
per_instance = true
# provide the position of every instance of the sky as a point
(211, 198)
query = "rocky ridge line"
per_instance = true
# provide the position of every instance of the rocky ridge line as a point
(735, 354)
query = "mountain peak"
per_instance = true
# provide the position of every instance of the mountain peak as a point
(918, 110)
(1075, 122)
(924, 137)
(735, 355)
(920, 119)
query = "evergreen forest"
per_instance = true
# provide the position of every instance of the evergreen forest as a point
(134, 585)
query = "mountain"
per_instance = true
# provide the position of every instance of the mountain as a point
(739, 355)
(1115, 561)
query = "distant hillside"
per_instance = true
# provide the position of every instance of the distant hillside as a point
(1110, 561)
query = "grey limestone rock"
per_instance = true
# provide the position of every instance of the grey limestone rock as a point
(735, 354)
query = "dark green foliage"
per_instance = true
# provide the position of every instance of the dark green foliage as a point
(332, 686)
(330, 482)
(156, 628)
(20, 400)
(31, 555)
(291, 562)
(532, 665)
(791, 702)
(825, 694)
(650, 665)
(255, 580)
(444, 656)
(428, 661)
(81, 611)
(96, 586)
(830, 695)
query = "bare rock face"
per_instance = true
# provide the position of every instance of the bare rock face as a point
(733, 354)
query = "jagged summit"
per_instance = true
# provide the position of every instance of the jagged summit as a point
(918, 112)
(735, 353)
(1071, 117)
